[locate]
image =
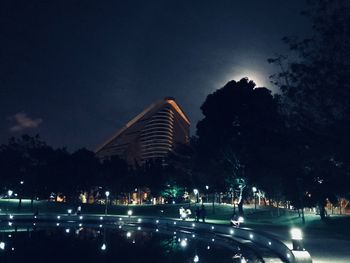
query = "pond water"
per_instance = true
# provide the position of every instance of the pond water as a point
(65, 244)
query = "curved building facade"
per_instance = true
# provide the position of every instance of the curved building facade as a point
(150, 135)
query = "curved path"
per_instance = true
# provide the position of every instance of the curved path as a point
(268, 248)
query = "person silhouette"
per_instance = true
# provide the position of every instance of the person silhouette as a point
(203, 213)
(198, 214)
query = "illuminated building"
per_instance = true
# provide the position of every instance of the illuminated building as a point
(150, 135)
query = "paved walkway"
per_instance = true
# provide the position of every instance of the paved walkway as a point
(323, 249)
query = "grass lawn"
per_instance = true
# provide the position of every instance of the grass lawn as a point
(263, 217)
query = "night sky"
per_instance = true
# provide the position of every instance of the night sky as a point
(76, 71)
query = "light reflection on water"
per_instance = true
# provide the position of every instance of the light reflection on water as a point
(89, 244)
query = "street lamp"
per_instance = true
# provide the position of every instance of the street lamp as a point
(21, 194)
(107, 194)
(9, 194)
(207, 188)
(129, 213)
(195, 191)
(254, 192)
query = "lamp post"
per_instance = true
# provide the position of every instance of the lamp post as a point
(195, 191)
(254, 192)
(207, 188)
(129, 213)
(107, 194)
(21, 195)
(9, 194)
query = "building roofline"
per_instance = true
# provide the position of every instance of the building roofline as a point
(159, 103)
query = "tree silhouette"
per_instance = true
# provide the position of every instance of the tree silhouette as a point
(315, 84)
(237, 137)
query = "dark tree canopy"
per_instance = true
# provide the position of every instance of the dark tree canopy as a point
(315, 85)
(238, 137)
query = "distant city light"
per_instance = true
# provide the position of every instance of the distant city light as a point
(254, 189)
(196, 258)
(183, 243)
(207, 187)
(9, 192)
(129, 212)
(128, 234)
(107, 193)
(2, 245)
(21, 182)
(195, 191)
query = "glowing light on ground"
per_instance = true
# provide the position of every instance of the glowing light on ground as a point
(183, 243)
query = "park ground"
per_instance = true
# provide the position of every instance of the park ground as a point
(327, 241)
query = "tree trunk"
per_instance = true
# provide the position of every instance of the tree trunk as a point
(240, 208)
(20, 203)
(322, 212)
